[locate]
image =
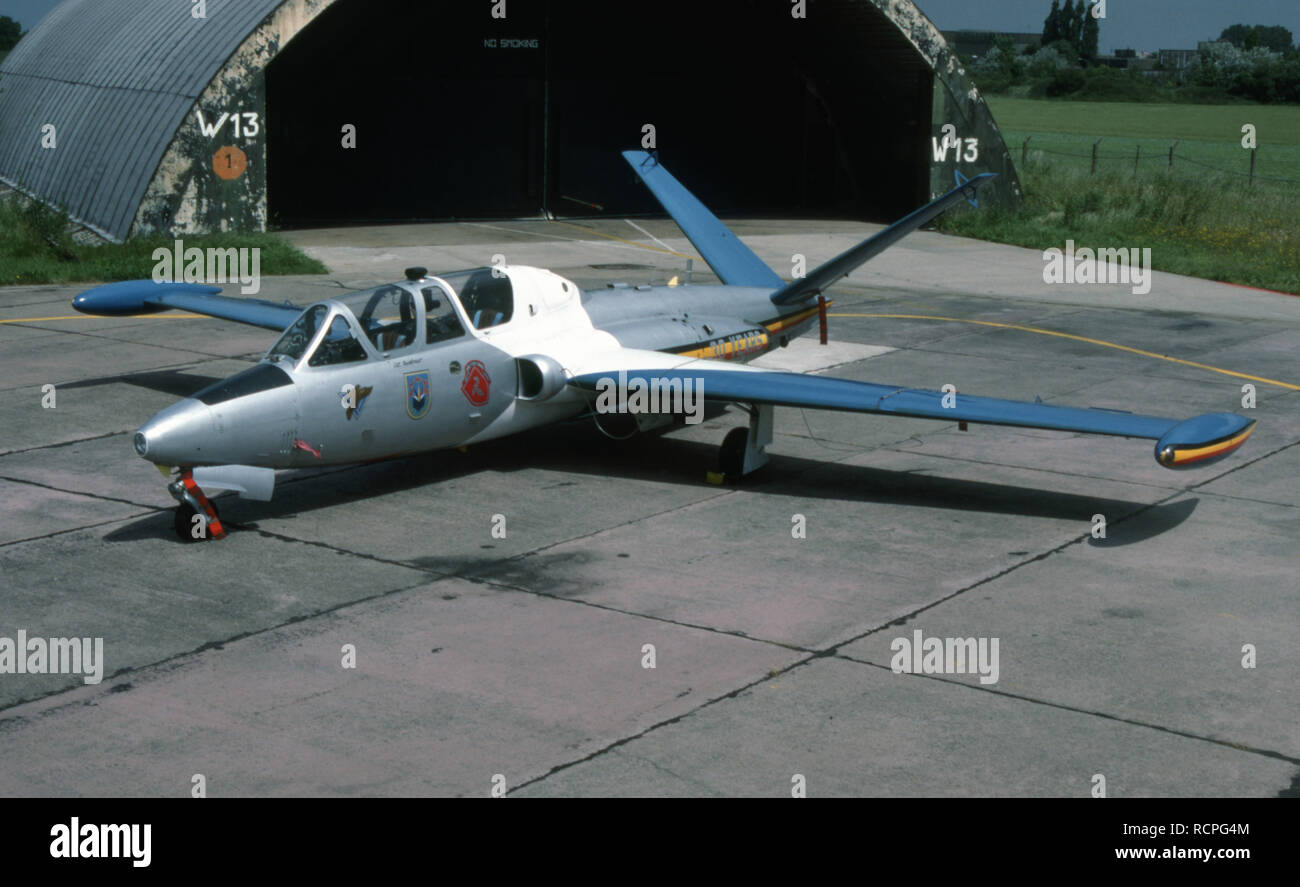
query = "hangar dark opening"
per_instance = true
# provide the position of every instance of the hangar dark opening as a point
(462, 116)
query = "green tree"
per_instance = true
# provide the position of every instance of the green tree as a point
(1052, 24)
(1067, 50)
(1275, 38)
(1235, 34)
(1068, 31)
(10, 33)
(1089, 38)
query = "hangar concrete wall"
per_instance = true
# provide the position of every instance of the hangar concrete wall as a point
(162, 119)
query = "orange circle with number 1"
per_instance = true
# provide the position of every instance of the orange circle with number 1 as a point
(229, 162)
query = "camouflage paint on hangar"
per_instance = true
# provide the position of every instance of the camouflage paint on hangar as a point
(187, 195)
(956, 102)
(137, 159)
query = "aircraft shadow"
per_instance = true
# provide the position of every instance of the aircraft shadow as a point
(579, 449)
(1146, 525)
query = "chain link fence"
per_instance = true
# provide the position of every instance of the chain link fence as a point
(1150, 155)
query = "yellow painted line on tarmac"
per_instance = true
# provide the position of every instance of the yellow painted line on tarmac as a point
(103, 316)
(1101, 342)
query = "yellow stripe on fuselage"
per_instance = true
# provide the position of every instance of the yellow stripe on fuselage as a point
(783, 323)
(727, 348)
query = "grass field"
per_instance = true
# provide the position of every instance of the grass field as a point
(35, 249)
(1208, 135)
(1202, 218)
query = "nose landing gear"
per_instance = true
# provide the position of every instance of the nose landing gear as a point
(193, 505)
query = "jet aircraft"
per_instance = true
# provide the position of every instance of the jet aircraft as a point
(440, 361)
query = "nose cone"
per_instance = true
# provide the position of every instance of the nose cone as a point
(182, 434)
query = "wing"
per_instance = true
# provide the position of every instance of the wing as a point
(147, 297)
(1188, 443)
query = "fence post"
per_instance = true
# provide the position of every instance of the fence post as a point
(1171, 153)
(1136, 161)
(1024, 150)
(1094, 156)
(1252, 166)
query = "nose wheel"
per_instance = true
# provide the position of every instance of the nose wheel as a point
(196, 517)
(190, 530)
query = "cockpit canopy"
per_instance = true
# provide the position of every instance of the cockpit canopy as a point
(485, 294)
(386, 314)
(389, 318)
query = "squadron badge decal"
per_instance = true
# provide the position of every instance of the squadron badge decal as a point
(353, 398)
(477, 385)
(417, 394)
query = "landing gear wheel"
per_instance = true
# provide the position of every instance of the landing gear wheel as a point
(184, 524)
(731, 455)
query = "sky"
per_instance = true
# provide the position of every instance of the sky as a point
(27, 12)
(1129, 24)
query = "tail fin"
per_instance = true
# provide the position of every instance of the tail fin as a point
(729, 258)
(824, 275)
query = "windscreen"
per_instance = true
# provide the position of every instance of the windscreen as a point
(339, 345)
(293, 343)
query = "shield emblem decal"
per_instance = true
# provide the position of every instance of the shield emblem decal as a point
(418, 400)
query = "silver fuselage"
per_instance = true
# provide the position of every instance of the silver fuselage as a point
(484, 383)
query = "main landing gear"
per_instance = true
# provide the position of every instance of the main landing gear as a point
(744, 450)
(196, 516)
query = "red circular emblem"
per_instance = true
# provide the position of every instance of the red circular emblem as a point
(477, 384)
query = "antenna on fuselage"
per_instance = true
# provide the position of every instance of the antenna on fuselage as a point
(416, 274)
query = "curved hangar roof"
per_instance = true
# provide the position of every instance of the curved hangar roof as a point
(130, 87)
(115, 80)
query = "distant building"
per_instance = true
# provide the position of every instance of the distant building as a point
(1177, 59)
(1128, 60)
(975, 44)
